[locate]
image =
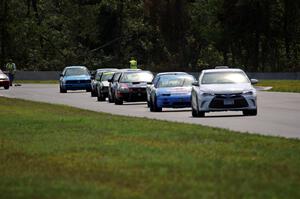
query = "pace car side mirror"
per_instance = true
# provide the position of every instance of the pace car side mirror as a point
(61, 75)
(109, 80)
(92, 76)
(254, 81)
(196, 83)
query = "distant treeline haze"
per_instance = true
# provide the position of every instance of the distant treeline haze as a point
(257, 35)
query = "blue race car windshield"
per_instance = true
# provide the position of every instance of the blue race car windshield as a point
(175, 81)
(224, 78)
(136, 77)
(76, 71)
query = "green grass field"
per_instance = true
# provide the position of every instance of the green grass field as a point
(282, 85)
(49, 151)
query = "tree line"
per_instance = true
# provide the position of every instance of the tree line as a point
(185, 35)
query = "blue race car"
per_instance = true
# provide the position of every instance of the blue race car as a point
(75, 78)
(171, 91)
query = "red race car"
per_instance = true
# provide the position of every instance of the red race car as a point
(4, 80)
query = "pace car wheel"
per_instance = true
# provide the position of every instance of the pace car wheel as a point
(250, 112)
(6, 87)
(196, 112)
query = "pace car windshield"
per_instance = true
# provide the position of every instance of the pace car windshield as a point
(175, 81)
(224, 78)
(76, 71)
(137, 77)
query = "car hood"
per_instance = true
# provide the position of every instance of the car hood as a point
(77, 77)
(105, 83)
(136, 85)
(3, 76)
(226, 88)
(174, 90)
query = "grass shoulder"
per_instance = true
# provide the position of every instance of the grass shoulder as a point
(282, 85)
(53, 151)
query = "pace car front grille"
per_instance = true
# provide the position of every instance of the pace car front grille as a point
(238, 101)
(78, 81)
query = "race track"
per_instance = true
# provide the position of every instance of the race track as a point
(278, 113)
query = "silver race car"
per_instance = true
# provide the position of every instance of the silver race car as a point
(223, 89)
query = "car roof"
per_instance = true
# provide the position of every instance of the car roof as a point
(178, 75)
(129, 69)
(172, 73)
(75, 67)
(106, 69)
(107, 72)
(222, 70)
(137, 71)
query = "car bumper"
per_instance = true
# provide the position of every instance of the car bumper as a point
(85, 86)
(4, 83)
(104, 91)
(132, 96)
(177, 101)
(219, 103)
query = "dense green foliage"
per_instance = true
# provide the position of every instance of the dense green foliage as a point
(257, 35)
(49, 151)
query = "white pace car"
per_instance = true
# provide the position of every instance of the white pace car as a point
(223, 90)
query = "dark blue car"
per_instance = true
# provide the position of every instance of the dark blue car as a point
(75, 78)
(171, 91)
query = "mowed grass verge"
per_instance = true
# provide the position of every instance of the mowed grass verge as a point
(282, 85)
(51, 151)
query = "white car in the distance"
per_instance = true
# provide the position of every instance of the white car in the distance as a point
(223, 89)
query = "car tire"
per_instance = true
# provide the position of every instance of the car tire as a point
(6, 87)
(154, 107)
(100, 97)
(118, 101)
(196, 112)
(88, 90)
(252, 112)
(93, 93)
(110, 100)
(151, 106)
(61, 90)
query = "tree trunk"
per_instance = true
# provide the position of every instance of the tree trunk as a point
(287, 34)
(4, 41)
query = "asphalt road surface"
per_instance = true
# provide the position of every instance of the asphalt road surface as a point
(278, 113)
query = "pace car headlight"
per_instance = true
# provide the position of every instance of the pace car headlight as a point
(206, 94)
(249, 93)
